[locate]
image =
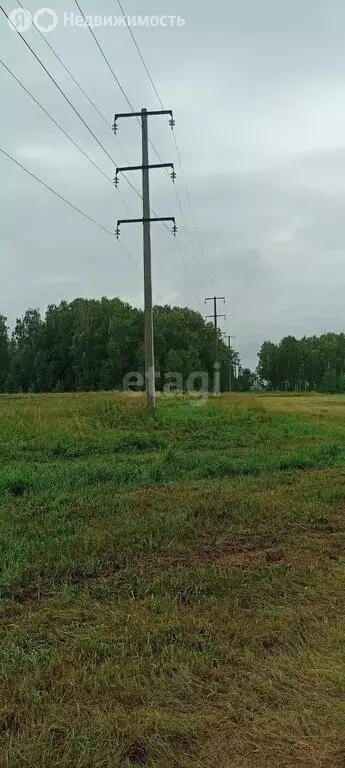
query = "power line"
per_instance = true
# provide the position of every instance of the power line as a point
(187, 230)
(65, 97)
(188, 235)
(190, 204)
(77, 83)
(140, 54)
(176, 147)
(54, 192)
(70, 104)
(105, 57)
(127, 252)
(83, 121)
(185, 223)
(55, 121)
(184, 218)
(146, 70)
(113, 73)
(197, 301)
(61, 197)
(58, 87)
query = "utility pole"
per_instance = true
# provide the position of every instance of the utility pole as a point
(146, 221)
(215, 316)
(148, 319)
(230, 360)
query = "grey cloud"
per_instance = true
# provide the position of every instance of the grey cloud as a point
(257, 91)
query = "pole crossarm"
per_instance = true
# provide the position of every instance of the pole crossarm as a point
(122, 168)
(212, 298)
(155, 218)
(148, 112)
(139, 114)
(145, 220)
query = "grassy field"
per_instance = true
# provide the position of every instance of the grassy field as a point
(172, 593)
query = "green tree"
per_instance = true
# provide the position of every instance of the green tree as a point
(4, 353)
(90, 344)
(26, 358)
(289, 363)
(329, 383)
(268, 366)
(246, 380)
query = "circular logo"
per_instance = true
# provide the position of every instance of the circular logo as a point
(20, 19)
(45, 20)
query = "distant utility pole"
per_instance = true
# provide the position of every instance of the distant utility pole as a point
(230, 360)
(215, 316)
(146, 221)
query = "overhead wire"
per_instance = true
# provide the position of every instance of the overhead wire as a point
(140, 54)
(160, 101)
(76, 82)
(67, 99)
(197, 301)
(62, 198)
(190, 207)
(58, 87)
(80, 149)
(106, 59)
(134, 188)
(70, 103)
(84, 123)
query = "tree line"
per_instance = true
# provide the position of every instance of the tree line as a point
(309, 363)
(91, 344)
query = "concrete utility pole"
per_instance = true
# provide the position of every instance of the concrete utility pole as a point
(230, 360)
(148, 334)
(146, 221)
(215, 316)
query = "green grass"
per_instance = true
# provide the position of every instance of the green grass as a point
(172, 592)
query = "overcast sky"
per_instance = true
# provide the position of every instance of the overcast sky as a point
(258, 92)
